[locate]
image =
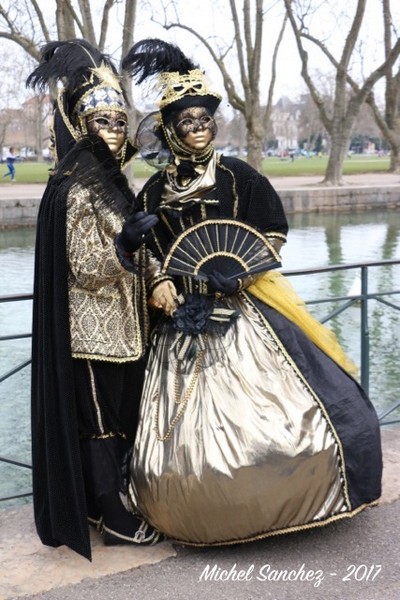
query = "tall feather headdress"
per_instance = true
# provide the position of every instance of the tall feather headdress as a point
(181, 82)
(90, 83)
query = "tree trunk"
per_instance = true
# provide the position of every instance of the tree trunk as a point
(394, 159)
(65, 23)
(345, 111)
(339, 146)
(255, 138)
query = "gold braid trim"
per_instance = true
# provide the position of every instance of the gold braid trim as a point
(314, 395)
(276, 234)
(234, 190)
(145, 197)
(292, 529)
(104, 436)
(158, 279)
(175, 85)
(143, 298)
(112, 359)
(65, 118)
(94, 397)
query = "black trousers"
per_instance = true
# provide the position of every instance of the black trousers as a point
(107, 402)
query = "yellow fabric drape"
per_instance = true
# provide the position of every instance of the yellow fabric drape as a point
(274, 289)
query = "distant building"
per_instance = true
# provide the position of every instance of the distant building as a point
(285, 123)
(20, 127)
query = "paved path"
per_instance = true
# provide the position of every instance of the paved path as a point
(17, 190)
(168, 571)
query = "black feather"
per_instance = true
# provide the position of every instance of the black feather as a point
(152, 56)
(68, 61)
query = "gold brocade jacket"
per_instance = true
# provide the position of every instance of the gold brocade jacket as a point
(107, 304)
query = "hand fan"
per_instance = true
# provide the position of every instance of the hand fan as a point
(231, 247)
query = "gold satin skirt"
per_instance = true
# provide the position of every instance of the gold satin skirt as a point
(232, 445)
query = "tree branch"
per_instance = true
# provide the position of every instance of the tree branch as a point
(239, 49)
(88, 29)
(233, 97)
(352, 37)
(268, 108)
(43, 26)
(327, 122)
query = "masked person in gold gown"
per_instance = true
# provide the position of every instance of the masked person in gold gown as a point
(251, 422)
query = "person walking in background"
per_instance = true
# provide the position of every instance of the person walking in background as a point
(90, 322)
(11, 157)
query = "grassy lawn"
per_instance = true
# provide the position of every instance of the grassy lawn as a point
(30, 172)
(33, 172)
(361, 163)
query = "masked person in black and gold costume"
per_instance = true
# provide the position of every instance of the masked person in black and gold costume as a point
(251, 422)
(90, 322)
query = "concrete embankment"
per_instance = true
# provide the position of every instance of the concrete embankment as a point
(19, 203)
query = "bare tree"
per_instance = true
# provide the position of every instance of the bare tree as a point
(247, 41)
(389, 122)
(346, 106)
(310, 126)
(11, 96)
(26, 24)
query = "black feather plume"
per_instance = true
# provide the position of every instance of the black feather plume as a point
(152, 56)
(68, 61)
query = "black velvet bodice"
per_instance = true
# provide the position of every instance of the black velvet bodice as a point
(240, 192)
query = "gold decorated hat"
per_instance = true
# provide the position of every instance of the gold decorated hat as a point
(89, 83)
(181, 83)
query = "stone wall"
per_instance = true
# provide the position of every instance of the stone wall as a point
(331, 199)
(18, 212)
(22, 212)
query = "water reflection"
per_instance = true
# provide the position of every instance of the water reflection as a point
(315, 240)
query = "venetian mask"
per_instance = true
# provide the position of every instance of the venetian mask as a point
(111, 126)
(195, 127)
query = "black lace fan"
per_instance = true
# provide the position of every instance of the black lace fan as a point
(231, 247)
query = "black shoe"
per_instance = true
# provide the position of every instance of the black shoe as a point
(145, 535)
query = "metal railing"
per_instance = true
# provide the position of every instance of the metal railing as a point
(4, 377)
(342, 303)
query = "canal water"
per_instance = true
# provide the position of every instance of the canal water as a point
(315, 240)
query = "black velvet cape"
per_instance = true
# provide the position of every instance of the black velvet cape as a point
(58, 489)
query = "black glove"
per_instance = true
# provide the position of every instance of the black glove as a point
(222, 284)
(136, 230)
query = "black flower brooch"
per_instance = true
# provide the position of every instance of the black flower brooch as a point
(196, 317)
(192, 316)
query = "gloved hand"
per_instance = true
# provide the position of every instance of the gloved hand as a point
(165, 296)
(220, 283)
(135, 230)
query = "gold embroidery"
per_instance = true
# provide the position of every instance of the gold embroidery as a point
(175, 85)
(107, 304)
(94, 397)
(234, 190)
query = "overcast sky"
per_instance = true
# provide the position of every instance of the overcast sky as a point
(330, 23)
(212, 18)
